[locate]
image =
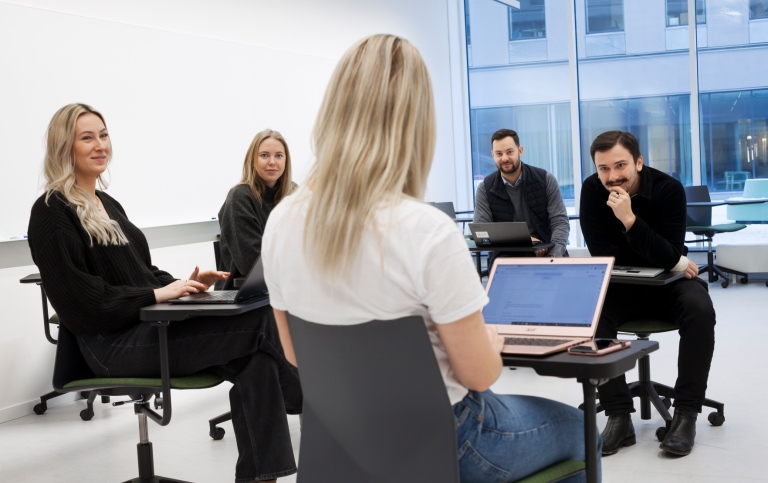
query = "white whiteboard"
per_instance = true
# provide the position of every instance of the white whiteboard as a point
(181, 109)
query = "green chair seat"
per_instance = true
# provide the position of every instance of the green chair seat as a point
(197, 381)
(723, 228)
(647, 326)
(555, 472)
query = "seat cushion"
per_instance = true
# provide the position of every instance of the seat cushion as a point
(555, 472)
(197, 381)
(646, 326)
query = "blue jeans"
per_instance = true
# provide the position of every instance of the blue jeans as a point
(505, 438)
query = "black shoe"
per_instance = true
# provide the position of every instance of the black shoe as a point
(618, 432)
(682, 431)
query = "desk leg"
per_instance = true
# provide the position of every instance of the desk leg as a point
(590, 429)
(479, 265)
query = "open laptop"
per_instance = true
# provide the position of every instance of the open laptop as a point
(545, 305)
(254, 289)
(641, 272)
(502, 234)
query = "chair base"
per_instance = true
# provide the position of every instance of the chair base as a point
(661, 396)
(155, 479)
(216, 432)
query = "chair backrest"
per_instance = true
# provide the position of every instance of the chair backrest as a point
(447, 208)
(375, 404)
(70, 364)
(698, 215)
(756, 188)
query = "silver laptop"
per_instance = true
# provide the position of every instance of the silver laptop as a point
(501, 234)
(545, 305)
(642, 272)
(254, 289)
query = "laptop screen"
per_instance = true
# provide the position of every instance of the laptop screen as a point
(558, 295)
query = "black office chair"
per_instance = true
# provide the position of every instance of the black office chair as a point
(49, 322)
(72, 374)
(699, 222)
(214, 431)
(653, 393)
(376, 414)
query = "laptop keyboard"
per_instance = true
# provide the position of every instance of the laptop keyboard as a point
(220, 295)
(534, 341)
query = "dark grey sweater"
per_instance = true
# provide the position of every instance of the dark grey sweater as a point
(242, 220)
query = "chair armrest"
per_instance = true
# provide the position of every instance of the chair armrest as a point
(165, 378)
(32, 278)
(35, 278)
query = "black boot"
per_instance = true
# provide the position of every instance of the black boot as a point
(618, 432)
(682, 431)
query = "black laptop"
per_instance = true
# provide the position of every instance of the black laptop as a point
(254, 289)
(502, 234)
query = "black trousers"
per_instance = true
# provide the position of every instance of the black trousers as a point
(245, 350)
(685, 303)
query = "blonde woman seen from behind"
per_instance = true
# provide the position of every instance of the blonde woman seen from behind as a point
(356, 243)
(266, 180)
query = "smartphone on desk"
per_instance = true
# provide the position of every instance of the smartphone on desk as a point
(599, 347)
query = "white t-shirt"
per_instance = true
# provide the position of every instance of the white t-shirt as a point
(418, 264)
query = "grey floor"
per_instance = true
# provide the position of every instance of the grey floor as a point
(59, 446)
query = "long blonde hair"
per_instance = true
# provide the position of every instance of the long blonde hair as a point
(374, 139)
(250, 177)
(59, 170)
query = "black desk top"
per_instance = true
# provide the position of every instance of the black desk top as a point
(742, 201)
(567, 365)
(474, 248)
(174, 312)
(661, 279)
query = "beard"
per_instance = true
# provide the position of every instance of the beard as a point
(511, 168)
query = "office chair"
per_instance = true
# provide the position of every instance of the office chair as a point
(53, 320)
(651, 392)
(374, 414)
(214, 431)
(699, 222)
(72, 374)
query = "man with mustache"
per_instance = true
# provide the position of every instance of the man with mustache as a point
(637, 214)
(520, 192)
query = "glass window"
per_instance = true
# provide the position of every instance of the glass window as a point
(758, 9)
(605, 16)
(528, 22)
(734, 136)
(677, 12)
(662, 126)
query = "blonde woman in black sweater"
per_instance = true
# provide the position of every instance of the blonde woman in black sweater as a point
(96, 269)
(266, 180)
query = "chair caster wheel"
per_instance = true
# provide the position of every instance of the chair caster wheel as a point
(40, 408)
(716, 419)
(86, 415)
(661, 433)
(216, 433)
(724, 284)
(744, 280)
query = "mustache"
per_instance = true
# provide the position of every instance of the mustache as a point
(617, 182)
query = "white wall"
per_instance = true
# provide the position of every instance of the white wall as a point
(321, 30)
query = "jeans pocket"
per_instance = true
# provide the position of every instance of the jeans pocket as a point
(473, 468)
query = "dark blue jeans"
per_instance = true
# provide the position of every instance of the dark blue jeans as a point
(505, 438)
(245, 350)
